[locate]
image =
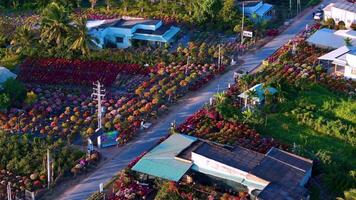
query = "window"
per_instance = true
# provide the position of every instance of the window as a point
(119, 39)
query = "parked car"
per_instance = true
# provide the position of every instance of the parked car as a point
(318, 15)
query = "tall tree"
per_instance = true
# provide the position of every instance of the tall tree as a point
(228, 12)
(206, 10)
(143, 4)
(80, 40)
(109, 4)
(93, 3)
(54, 25)
(125, 4)
(68, 3)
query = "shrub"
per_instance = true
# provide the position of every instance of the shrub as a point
(330, 23)
(341, 25)
(16, 91)
(353, 26)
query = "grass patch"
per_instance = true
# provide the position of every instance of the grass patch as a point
(337, 156)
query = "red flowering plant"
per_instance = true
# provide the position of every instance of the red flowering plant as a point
(127, 187)
(210, 125)
(63, 71)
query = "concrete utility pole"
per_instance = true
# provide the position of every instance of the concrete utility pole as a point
(9, 195)
(98, 95)
(219, 59)
(299, 7)
(186, 67)
(243, 21)
(48, 168)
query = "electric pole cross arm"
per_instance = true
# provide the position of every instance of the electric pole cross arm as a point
(98, 95)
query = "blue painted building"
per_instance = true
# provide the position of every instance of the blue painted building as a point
(258, 10)
(120, 33)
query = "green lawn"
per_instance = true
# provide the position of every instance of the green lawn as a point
(337, 156)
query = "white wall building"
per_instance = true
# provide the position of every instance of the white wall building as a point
(119, 33)
(344, 61)
(341, 10)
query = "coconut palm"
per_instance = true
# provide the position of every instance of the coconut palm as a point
(93, 3)
(142, 4)
(220, 97)
(54, 24)
(23, 41)
(125, 4)
(348, 41)
(109, 4)
(79, 39)
(2, 41)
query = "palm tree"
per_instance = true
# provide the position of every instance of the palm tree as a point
(348, 42)
(142, 4)
(2, 41)
(54, 24)
(161, 6)
(220, 97)
(93, 3)
(79, 39)
(125, 4)
(23, 41)
(109, 4)
(244, 82)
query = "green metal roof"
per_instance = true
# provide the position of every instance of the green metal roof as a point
(260, 92)
(161, 162)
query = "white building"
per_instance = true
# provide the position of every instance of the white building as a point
(119, 33)
(344, 61)
(341, 10)
(259, 9)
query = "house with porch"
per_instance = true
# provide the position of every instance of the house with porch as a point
(120, 33)
(344, 61)
(277, 175)
(257, 10)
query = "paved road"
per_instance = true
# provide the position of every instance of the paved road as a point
(185, 107)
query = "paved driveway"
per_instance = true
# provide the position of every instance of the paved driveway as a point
(121, 157)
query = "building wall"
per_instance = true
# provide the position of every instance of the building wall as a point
(306, 178)
(224, 171)
(342, 15)
(350, 72)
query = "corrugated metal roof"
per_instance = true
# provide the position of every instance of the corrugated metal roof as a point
(161, 162)
(263, 9)
(345, 5)
(334, 54)
(291, 159)
(241, 158)
(165, 37)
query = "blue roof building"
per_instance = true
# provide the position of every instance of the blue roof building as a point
(119, 33)
(257, 10)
